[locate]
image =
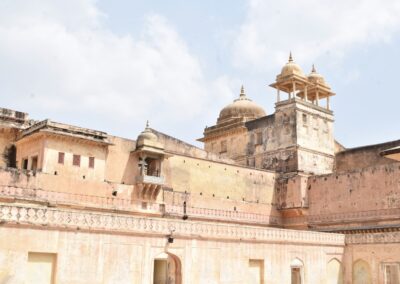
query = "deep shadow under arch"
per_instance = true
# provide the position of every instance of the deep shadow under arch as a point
(167, 269)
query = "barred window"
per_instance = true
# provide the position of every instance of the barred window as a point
(76, 161)
(91, 162)
(61, 156)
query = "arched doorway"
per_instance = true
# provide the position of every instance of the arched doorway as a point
(334, 272)
(361, 272)
(167, 269)
(297, 271)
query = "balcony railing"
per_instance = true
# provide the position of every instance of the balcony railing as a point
(113, 203)
(158, 180)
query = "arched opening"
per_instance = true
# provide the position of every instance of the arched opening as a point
(167, 269)
(297, 271)
(334, 272)
(361, 272)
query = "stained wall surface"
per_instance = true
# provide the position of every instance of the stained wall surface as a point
(368, 189)
(217, 185)
(84, 257)
(363, 157)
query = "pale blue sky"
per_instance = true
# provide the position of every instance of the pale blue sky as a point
(111, 65)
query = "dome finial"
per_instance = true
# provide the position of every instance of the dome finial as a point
(242, 93)
(313, 69)
(290, 57)
(147, 123)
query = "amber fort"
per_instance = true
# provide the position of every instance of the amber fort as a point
(269, 198)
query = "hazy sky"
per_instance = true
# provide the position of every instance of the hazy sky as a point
(111, 65)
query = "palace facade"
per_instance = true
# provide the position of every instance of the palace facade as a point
(272, 198)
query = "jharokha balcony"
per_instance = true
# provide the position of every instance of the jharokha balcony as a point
(147, 187)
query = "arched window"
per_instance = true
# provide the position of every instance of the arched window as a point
(334, 272)
(361, 272)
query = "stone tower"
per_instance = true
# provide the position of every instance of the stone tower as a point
(298, 137)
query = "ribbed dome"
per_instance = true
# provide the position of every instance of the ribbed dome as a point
(291, 68)
(315, 77)
(146, 135)
(242, 107)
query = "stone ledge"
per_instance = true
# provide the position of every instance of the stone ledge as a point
(374, 238)
(97, 221)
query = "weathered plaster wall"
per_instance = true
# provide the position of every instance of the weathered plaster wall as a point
(121, 164)
(299, 136)
(376, 249)
(362, 157)
(235, 145)
(28, 148)
(222, 186)
(368, 189)
(85, 257)
(69, 146)
(179, 147)
(60, 183)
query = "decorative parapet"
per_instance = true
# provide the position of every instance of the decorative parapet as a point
(81, 200)
(355, 216)
(223, 215)
(127, 205)
(97, 221)
(13, 115)
(374, 238)
(346, 217)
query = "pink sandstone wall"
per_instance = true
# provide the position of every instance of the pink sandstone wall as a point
(213, 185)
(56, 183)
(363, 157)
(121, 164)
(373, 188)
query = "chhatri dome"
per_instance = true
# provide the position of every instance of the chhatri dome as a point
(291, 68)
(315, 77)
(242, 107)
(146, 136)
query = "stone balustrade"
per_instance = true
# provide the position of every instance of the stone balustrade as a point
(373, 238)
(357, 216)
(114, 203)
(224, 215)
(100, 221)
(55, 197)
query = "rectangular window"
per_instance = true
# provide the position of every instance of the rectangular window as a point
(259, 138)
(391, 271)
(61, 156)
(304, 118)
(34, 164)
(91, 162)
(41, 267)
(24, 164)
(76, 161)
(223, 146)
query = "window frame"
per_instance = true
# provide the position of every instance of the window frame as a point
(91, 163)
(76, 160)
(61, 158)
